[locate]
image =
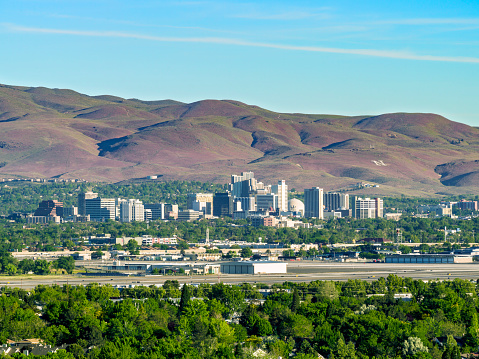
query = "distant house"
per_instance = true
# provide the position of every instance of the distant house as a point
(29, 346)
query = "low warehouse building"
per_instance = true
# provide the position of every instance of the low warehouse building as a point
(254, 267)
(428, 258)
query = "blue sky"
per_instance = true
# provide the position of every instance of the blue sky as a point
(336, 57)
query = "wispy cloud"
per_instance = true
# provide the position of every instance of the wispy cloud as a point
(138, 24)
(289, 15)
(238, 42)
(431, 21)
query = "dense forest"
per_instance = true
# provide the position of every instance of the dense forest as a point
(350, 319)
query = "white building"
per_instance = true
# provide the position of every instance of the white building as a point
(281, 189)
(132, 210)
(296, 206)
(367, 207)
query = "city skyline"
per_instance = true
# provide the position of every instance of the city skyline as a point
(344, 58)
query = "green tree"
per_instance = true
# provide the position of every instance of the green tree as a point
(11, 269)
(133, 247)
(344, 351)
(185, 297)
(296, 301)
(66, 263)
(246, 252)
(413, 346)
(26, 265)
(41, 267)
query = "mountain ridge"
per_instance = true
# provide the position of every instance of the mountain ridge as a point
(57, 132)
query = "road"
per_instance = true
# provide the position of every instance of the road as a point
(297, 272)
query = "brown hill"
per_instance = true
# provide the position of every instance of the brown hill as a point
(53, 132)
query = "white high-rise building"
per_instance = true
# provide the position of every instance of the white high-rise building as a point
(281, 189)
(367, 207)
(313, 203)
(132, 210)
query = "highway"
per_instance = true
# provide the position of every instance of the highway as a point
(297, 272)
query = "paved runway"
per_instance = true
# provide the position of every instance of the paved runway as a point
(297, 272)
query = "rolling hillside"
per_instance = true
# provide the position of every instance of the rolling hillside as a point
(52, 132)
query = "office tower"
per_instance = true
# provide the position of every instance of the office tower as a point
(148, 215)
(281, 189)
(243, 185)
(100, 209)
(82, 197)
(132, 210)
(222, 204)
(367, 207)
(49, 208)
(70, 211)
(247, 203)
(333, 201)
(157, 210)
(206, 198)
(467, 205)
(313, 203)
(266, 202)
(206, 208)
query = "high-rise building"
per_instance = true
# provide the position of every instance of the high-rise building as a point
(367, 207)
(206, 208)
(206, 198)
(467, 205)
(266, 202)
(243, 185)
(333, 201)
(148, 215)
(82, 197)
(281, 189)
(247, 203)
(49, 208)
(223, 204)
(132, 210)
(157, 210)
(100, 209)
(313, 203)
(70, 211)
